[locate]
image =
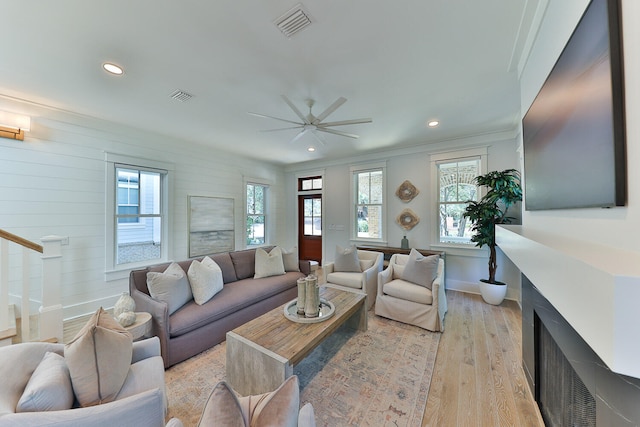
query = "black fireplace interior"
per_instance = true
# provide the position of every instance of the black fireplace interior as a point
(562, 397)
(571, 384)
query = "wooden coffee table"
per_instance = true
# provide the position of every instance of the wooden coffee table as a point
(261, 353)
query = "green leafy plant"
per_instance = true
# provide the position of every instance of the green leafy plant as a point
(503, 190)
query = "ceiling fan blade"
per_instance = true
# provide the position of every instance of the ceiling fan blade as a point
(333, 107)
(275, 118)
(319, 138)
(337, 132)
(298, 136)
(279, 129)
(295, 109)
(345, 122)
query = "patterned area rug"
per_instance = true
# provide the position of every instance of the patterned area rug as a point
(376, 378)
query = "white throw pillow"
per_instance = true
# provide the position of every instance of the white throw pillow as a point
(290, 259)
(99, 358)
(49, 388)
(171, 286)
(421, 270)
(205, 279)
(268, 264)
(346, 260)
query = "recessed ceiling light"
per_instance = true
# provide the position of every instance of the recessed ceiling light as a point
(113, 68)
(311, 149)
(433, 123)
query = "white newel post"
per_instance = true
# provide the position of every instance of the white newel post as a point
(51, 309)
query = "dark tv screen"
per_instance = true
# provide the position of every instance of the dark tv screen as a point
(573, 133)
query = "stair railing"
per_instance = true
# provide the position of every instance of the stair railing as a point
(50, 312)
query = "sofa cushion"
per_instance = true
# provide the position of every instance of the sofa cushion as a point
(233, 297)
(205, 279)
(49, 388)
(98, 359)
(276, 408)
(226, 265)
(268, 263)
(421, 270)
(170, 286)
(408, 291)
(290, 259)
(346, 259)
(244, 263)
(222, 408)
(351, 280)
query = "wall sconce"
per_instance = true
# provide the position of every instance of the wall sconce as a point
(13, 126)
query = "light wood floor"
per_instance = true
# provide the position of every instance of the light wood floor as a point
(478, 378)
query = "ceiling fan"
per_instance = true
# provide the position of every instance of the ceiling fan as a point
(311, 123)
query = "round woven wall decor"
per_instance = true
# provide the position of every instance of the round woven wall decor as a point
(407, 191)
(407, 219)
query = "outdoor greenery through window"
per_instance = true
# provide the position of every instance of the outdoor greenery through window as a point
(369, 203)
(256, 214)
(138, 214)
(456, 187)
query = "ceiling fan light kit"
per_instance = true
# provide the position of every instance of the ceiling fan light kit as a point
(313, 124)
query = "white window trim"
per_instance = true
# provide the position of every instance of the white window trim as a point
(445, 157)
(114, 271)
(267, 214)
(353, 170)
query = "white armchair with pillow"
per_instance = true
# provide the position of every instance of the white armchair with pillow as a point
(45, 384)
(354, 269)
(411, 290)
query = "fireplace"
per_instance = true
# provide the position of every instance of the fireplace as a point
(572, 385)
(562, 397)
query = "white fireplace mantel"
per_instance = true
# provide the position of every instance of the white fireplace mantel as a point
(596, 288)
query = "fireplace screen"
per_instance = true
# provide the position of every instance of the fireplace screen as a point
(563, 398)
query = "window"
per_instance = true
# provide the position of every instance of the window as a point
(455, 187)
(137, 212)
(312, 210)
(138, 215)
(310, 184)
(256, 214)
(368, 212)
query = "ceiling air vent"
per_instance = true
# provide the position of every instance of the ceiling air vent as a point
(181, 96)
(293, 21)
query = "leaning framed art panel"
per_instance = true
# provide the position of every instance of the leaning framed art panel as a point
(211, 225)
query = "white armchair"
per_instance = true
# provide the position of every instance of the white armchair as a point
(371, 264)
(406, 302)
(141, 401)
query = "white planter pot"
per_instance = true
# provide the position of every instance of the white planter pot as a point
(493, 293)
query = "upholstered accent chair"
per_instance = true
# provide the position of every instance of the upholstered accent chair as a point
(365, 280)
(400, 298)
(36, 389)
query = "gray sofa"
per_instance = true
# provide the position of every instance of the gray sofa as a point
(141, 402)
(194, 328)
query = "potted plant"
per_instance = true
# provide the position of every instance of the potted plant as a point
(503, 190)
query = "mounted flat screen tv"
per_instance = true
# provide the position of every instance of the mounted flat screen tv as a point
(574, 132)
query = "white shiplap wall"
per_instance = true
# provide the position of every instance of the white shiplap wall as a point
(54, 183)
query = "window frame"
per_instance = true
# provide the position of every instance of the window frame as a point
(452, 157)
(355, 170)
(267, 206)
(113, 270)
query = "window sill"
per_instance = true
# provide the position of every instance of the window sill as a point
(120, 273)
(461, 250)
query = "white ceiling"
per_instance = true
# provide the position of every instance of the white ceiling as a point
(400, 62)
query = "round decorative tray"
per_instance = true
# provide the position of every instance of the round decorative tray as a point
(326, 311)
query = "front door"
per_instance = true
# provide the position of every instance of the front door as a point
(310, 226)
